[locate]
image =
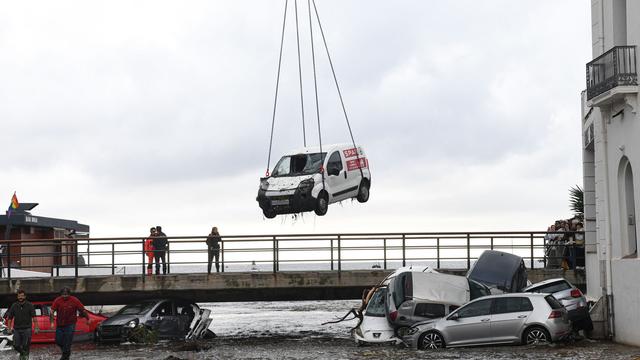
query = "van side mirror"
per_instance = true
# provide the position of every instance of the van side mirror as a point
(454, 317)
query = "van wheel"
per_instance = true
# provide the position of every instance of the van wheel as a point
(430, 341)
(269, 214)
(363, 192)
(536, 335)
(322, 204)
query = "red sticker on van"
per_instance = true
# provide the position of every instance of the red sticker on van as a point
(350, 152)
(357, 164)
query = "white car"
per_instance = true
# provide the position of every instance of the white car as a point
(308, 180)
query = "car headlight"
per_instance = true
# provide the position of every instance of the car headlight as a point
(264, 184)
(133, 323)
(306, 185)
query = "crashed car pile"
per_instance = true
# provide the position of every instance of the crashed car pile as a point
(493, 304)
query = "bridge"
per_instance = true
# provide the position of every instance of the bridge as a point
(261, 267)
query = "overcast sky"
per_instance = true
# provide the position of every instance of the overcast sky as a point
(123, 115)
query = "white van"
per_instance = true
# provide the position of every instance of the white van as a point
(296, 183)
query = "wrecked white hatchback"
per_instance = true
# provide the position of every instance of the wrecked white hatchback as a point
(309, 180)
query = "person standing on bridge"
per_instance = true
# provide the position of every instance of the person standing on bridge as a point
(20, 316)
(160, 244)
(213, 249)
(148, 250)
(66, 308)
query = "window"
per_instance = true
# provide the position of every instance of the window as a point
(431, 311)
(376, 304)
(555, 304)
(165, 309)
(477, 290)
(334, 165)
(478, 308)
(303, 164)
(511, 304)
(551, 288)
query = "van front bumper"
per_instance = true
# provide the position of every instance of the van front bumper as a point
(286, 204)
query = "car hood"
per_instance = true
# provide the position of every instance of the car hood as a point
(427, 324)
(119, 319)
(286, 182)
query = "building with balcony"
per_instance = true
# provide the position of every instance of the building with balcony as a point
(25, 237)
(611, 155)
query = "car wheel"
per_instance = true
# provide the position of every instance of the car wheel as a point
(430, 341)
(269, 214)
(536, 335)
(322, 204)
(363, 192)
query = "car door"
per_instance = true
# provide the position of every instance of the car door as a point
(46, 333)
(472, 325)
(337, 178)
(354, 161)
(509, 314)
(185, 315)
(164, 320)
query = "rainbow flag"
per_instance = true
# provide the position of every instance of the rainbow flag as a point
(14, 204)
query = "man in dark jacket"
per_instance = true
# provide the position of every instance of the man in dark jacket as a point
(20, 316)
(160, 244)
(213, 248)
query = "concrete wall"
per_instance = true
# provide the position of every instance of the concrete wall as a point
(626, 298)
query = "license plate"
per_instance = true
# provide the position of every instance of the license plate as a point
(279, 202)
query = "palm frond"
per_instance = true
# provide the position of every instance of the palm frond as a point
(576, 201)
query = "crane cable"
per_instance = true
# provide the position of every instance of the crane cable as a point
(315, 85)
(275, 101)
(304, 135)
(335, 79)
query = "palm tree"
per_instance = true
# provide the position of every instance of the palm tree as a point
(576, 201)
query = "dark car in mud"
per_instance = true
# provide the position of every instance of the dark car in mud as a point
(500, 271)
(166, 318)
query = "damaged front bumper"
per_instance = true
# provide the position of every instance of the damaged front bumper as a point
(286, 201)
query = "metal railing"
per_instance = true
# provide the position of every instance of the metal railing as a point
(613, 68)
(312, 252)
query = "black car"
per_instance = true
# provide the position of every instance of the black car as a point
(167, 318)
(500, 270)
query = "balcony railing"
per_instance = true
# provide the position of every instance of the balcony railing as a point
(614, 68)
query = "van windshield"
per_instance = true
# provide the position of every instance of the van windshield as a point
(301, 164)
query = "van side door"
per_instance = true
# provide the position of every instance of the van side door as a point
(337, 178)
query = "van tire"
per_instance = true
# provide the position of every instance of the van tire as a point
(322, 204)
(363, 191)
(269, 214)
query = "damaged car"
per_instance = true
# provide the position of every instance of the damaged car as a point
(502, 272)
(520, 318)
(310, 180)
(168, 318)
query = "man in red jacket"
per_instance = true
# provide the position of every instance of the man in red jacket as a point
(67, 308)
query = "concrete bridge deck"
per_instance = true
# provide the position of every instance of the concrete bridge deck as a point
(222, 287)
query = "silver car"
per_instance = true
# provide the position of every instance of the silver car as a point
(571, 297)
(498, 319)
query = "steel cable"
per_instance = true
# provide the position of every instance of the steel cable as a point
(315, 84)
(304, 135)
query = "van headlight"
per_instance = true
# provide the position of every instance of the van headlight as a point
(133, 323)
(264, 184)
(306, 185)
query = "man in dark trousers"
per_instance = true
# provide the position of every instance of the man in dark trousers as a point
(67, 308)
(160, 243)
(213, 249)
(20, 316)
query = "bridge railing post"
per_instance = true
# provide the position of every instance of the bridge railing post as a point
(9, 259)
(331, 240)
(143, 262)
(75, 257)
(113, 258)
(168, 257)
(339, 254)
(438, 253)
(404, 250)
(468, 251)
(384, 245)
(221, 253)
(275, 255)
(532, 251)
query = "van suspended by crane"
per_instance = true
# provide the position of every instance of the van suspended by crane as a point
(312, 178)
(309, 180)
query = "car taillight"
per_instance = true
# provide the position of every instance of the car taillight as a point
(393, 315)
(576, 293)
(555, 314)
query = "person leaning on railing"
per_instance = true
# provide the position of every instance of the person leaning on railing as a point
(160, 243)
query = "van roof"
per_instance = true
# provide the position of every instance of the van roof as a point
(325, 148)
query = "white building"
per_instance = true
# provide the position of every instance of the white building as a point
(611, 156)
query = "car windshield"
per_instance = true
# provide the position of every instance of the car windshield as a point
(301, 164)
(137, 309)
